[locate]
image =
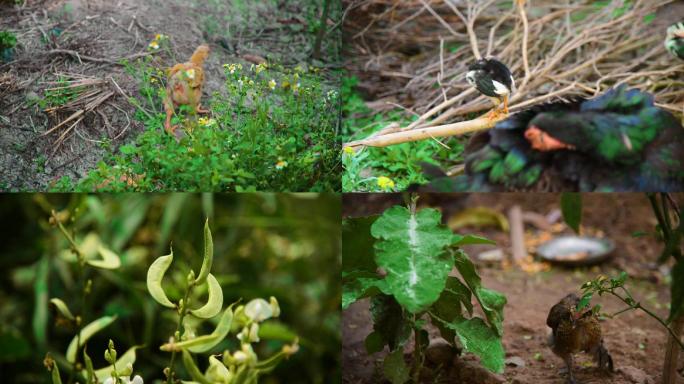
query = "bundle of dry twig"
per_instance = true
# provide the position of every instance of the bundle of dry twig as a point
(552, 55)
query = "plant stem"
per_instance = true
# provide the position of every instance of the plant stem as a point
(183, 311)
(417, 355)
(81, 285)
(637, 305)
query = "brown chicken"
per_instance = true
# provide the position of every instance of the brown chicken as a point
(184, 87)
(575, 332)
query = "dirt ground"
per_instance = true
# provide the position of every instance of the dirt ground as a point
(635, 340)
(108, 31)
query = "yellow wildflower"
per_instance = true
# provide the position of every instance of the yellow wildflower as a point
(154, 44)
(385, 182)
(260, 67)
(349, 150)
(281, 164)
(206, 122)
(190, 73)
(272, 84)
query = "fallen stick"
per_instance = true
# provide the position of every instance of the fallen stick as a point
(455, 129)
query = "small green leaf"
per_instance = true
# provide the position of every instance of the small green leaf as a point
(127, 358)
(56, 378)
(192, 369)
(395, 367)
(204, 343)
(86, 333)
(571, 207)
(275, 330)
(90, 372)
(584, 301)
(208, 255)
(110, 260)
(214, 303)
(62, 308)
(155, 274)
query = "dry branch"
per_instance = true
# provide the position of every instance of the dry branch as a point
(554, 57)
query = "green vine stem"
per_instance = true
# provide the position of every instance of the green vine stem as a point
(80, 318)
(182, 310)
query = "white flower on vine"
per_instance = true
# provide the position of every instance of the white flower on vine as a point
(125, 380)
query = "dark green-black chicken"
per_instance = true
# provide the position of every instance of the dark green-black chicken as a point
(674, 42)
(618, 141)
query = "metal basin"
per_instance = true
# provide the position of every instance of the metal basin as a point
(576, 250)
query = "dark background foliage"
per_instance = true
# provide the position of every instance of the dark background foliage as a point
(287, 246)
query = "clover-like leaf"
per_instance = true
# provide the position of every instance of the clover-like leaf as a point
(214, 303)
(208, 255)
(62, 308)
(127, 358)
(110, 260)
(154, 279)
(86, 333)
(204, 343)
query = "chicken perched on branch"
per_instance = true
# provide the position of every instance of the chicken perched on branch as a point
(492, 78)
(575, 331)
(618, 141)
(184, 87)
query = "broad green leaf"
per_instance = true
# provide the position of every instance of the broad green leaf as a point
(127, 358)
(40, 315)
(492, 302)
(110, 260)
(395, 367)
(479, 339)
(374, 342)
(411, 249)
(214, 303)
(460, 240)
(86, 333)
(62, 308)
(677, 291)
(571, 207)
(204, 343)
(450, 305)
(390, 321)
(192, 369)
(208, 254)
(361, 284)
(90, 372)
(155, 274)
(357, 245)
